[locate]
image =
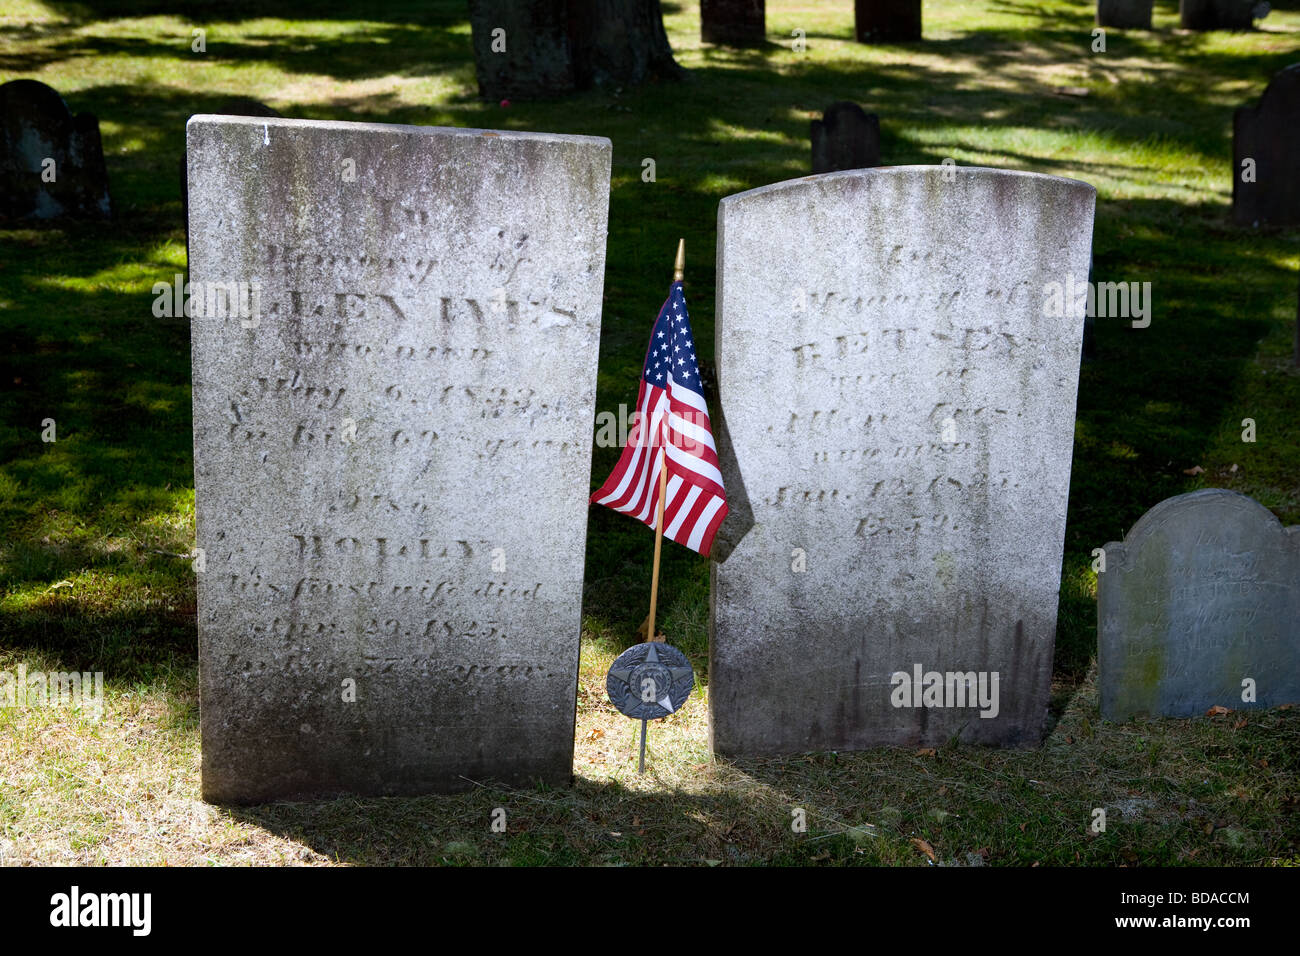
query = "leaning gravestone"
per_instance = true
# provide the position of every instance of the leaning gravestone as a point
(847, 137)
(1202, 595)
(733, 22)
(51, 162)
(392, 450)
(1217, 14)
(1266, 155)
(886, 21)
(899, 409)
(1125, 14)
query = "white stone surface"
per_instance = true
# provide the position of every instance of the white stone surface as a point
(392, 458)
(900, 417)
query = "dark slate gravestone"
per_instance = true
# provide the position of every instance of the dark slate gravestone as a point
(886, 21)
(1217, 14)
(733, 22)
(1124, 14)
(51, 162)
(1202, 597)
(847, 137)
(1268, 134)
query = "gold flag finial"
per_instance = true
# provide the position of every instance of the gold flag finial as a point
(679, 270)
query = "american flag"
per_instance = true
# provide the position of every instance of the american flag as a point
(673, 419)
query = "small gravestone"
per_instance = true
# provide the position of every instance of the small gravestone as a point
(1200, 607)
(886, 21)
(1218, 14)
(394, 383)
(896, 393)
(847, 137)
(733, 22)
(1266, 155)
(1124, 14)
(51, 162)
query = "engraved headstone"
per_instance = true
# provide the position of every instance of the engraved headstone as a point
(1266, 155)
(733, 22)
(51, 162)
(847, 137)
(886, 21)
(1218, 14)
(898, 401)
(392, 450)
(1124, 14)
(1201, 597)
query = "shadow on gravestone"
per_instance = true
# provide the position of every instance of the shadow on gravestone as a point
(1266, 137)
(51, 163)
(847, 137)
(1125, 14)
(239, 106)
(733, 22)
(1218, 14)
(1202, 595)
(886, 21)
(910, 432)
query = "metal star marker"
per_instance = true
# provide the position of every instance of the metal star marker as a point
(649, 681)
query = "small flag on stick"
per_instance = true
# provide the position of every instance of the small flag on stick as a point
(671, 445)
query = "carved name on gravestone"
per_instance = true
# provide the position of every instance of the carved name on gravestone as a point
(1266, 155)
(733, 22)
(847, 137)
(1218, 14)
(886, 21)
(1125, 14)
(392, 450)
(1202, 595)
(51, 162)
(899, 414)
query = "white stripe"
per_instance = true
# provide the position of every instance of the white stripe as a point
(636, 467)
(697, 535)
(685, 394)
(650, 498)
(682, 515)
(700, 436)
(697, 465)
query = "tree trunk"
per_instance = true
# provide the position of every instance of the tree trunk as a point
(542, 48)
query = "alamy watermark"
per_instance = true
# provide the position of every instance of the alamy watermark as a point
(209, 300)
(923, 688)
(84, 690)
(1123, 300)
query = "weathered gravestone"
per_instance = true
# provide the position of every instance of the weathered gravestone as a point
(1266, 155)
(733, 22)
(392, 454)
(886, 21)
(1124, 14)
(847, 137)
(237, 106)
(1217, 14)
(1203, 594)
(51, 162)
(898, 406)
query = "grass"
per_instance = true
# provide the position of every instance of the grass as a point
(93, 527)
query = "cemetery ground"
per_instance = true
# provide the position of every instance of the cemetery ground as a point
(96, 527)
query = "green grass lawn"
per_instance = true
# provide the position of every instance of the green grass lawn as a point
(94, 527)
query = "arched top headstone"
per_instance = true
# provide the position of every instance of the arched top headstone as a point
(51, 162)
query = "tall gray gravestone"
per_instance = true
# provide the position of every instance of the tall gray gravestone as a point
(1201, 596)
(1266, 155)
(51, 162)
(897, 402)
(392, 443)
(1124, 14)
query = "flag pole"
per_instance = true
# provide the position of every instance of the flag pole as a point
(679, 273)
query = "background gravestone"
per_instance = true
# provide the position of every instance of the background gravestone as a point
(1202, 593)
(1217, 14)
(886, 21)
(36, 126)
(899, 415)
(847, 137)
(1269, 134)
(392, 458)
(733, 22)
(1125, 14)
